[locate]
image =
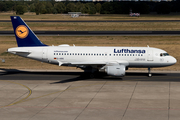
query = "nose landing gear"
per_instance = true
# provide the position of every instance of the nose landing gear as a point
(149, 72)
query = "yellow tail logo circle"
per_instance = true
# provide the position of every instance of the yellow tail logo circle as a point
(22, 31)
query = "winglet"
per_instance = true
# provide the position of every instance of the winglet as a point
(25, 37)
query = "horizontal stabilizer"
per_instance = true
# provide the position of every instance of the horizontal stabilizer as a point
(16, 51)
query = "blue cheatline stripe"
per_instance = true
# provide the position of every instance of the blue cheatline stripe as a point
(25, 37)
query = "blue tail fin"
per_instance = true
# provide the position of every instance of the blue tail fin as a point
(25, 37)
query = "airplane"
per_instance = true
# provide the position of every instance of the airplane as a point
(112, 60)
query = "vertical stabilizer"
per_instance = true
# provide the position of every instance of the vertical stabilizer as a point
(25, 37)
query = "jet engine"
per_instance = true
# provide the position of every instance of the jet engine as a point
(118, 70)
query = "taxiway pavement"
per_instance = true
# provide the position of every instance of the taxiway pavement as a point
(44, 95)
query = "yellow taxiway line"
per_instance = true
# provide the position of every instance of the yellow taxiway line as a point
(30, 92)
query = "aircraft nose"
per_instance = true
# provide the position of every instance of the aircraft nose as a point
(173, 60)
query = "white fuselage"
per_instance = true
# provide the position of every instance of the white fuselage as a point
(83, 55)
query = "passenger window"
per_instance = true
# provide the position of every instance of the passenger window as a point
(56, 53)
(59, 53)
(67, 53)
(105, 54)
(124, 54)
(127, 54)
(64, 53)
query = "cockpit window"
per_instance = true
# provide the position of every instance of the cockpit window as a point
(164, 54)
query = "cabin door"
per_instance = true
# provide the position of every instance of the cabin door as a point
(150, 55)
(44, 54)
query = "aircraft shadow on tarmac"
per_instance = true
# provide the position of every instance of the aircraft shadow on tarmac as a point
(16, 71)
(65, 77)
(104, 77)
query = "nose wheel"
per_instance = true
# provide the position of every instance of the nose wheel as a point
(149, 72)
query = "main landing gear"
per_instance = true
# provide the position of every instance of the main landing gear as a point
(91, 72)
(149, 72)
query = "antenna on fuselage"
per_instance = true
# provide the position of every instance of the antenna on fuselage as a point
(148, 46)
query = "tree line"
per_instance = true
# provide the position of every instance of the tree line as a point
(53, 7)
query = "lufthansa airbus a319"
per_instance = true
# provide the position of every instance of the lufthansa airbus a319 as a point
(112, 60)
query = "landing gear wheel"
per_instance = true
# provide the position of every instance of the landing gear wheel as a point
(149, 72)
(149, 75)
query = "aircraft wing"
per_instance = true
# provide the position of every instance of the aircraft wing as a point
(88, 63)
(120, 62)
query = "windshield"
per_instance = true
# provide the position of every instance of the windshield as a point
(164, 54)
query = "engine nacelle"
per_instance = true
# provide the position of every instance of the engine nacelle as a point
(118, 70)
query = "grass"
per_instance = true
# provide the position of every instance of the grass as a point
(95, 26)
(168, 43)
(32, 16)
(102, 26)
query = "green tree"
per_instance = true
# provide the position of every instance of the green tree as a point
(78, 6)
(3, 6)
(32, 8)
(71, 7)
(21, 9)
(11, 5)
(107, 8)
(163, 8)
(98, 7)
(144, 8)
(49, 7)
(91, 8)
(60, 7)
(43, 8)
(38, 8)
(117, 8)
(83, 8)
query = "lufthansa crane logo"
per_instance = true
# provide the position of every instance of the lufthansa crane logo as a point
(22, 31)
